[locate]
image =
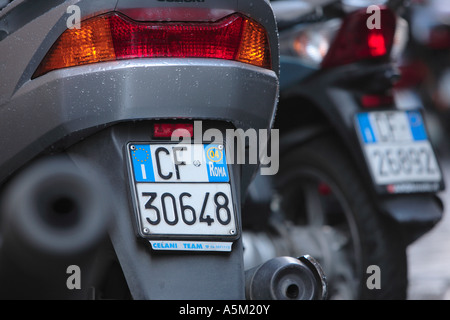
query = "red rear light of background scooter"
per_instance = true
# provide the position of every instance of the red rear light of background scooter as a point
(355, 41)
(376, 100)
(114, 36)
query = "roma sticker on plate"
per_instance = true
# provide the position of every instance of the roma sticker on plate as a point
(398, 152)
(183, 196)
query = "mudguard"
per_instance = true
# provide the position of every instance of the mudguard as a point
(151, 274)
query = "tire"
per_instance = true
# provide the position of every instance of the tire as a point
(321, 196)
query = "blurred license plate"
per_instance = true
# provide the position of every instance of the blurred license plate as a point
(398, 151)
(182, 191)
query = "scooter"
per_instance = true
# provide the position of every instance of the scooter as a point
(117, 121)
(358, 178)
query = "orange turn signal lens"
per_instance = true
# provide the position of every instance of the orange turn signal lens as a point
(114, 36)
(254, 45)
(90, 44)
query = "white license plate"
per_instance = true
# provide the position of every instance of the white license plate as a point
(398, 151)
(182, 191)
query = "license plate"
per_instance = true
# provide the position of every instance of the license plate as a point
(398, 152)
(182, 192)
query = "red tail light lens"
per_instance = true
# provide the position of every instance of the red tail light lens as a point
(376, 44)
(355, 41)
(115, 37)
(166, 130)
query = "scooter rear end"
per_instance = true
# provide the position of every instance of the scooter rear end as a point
(109, 97)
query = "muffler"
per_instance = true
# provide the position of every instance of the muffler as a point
(286, 278)
(53, 218)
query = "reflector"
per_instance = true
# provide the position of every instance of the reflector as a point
(114, 36)
(165, 130)
(373, 100)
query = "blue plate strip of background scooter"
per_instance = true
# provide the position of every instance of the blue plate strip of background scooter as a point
(417, 126)
(415, 123)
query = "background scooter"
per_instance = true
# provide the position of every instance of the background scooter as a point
(358, 177)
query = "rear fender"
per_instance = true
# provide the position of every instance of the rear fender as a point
(158, 274)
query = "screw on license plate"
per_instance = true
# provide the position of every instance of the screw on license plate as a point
(232, 231)
(146, 230)
(133, 147)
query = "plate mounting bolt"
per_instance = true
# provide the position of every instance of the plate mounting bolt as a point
(197, 163)
(146, 230)
(133, 147)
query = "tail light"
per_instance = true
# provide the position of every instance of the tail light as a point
(114, 36)
(376, 100)
(342, 41)
(355, 41)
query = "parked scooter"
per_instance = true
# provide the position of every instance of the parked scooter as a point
(358, 177)
(114, 181)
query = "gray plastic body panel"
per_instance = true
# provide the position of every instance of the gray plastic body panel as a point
(37, 113)
(64, 102)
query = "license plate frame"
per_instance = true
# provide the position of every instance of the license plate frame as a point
(398, 152)
(177, 199)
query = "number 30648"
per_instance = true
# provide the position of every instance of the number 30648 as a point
(187, 209)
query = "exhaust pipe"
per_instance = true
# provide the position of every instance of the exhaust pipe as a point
(286, 278)
(54, 217)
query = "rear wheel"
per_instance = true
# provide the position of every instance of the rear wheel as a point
(328, 213)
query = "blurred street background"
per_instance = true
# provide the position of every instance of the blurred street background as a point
(425, 81)
(429, 256)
